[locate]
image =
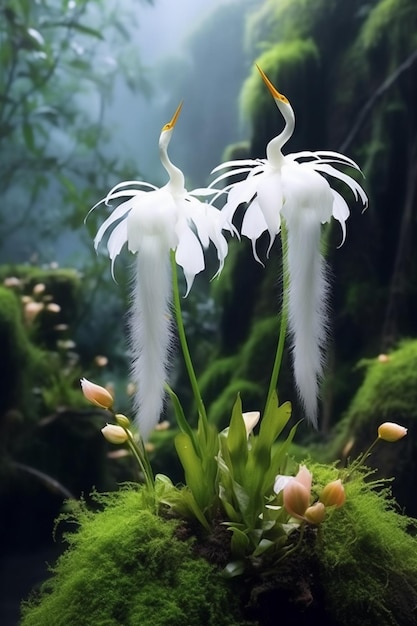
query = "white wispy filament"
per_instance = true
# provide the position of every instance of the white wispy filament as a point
(150, 332)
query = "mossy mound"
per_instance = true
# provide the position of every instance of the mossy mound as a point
(21, 362)
(388, 394)
(126, 568)
(359, 567)
(368, 560)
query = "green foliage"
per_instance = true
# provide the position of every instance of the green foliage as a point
(388, 19)
(125, 567)
(231, 475)
(56, 80)
(368, 558)
(289, 19)
(248, 466)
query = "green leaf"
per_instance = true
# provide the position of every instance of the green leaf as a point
(182, 422)
(263, 546)
(87, 30)
(28, 136)
(239, 543)
(278, 457)
(234, 568)
(274, 421)
(237, 441)
(195, 476)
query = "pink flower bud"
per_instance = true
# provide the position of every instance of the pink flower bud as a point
(315, 513)
(304, 477)
(296, 498)
(333, 494)
(96, 395)
(115, 434)
(389, 431)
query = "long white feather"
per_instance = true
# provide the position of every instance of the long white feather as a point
(150, 332)
(307, 306)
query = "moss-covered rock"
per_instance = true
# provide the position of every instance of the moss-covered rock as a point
(125, 567)
(56, 290)
(128, 567)
(388, 393)
(21, 363)
(368, 560)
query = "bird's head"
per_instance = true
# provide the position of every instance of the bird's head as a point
(280, 100)
(167, 129)
(176, 177)
(274, 147)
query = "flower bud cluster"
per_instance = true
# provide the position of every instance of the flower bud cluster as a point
(297, 496)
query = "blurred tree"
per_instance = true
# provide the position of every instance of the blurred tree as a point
(59, 62)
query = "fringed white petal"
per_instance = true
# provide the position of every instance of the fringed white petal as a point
(116, 242)
(126, 183)
(353, 185)
(236, 162)
(253, 225)
(340, 213)
(196, 212)
(321, 155)
(189, 254)
(117, 214)
(229, 174)
(270, 201)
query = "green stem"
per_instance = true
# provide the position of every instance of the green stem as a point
(284, 320)
(361, 460)
(294, 547)
(184, 345)
(143, 462)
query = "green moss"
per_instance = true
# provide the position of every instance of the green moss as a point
(125, 567)
(21, 362)
(389, 388)
(256, 358)
(387, 18)
(217, 377)
(283, 64)
(388, 393)
(368, 560)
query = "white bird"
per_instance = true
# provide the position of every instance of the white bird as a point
(153, 222)
(291, 187)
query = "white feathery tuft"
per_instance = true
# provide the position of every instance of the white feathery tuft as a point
(150, 332)
(307, 306)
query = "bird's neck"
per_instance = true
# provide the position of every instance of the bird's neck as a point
(274, 147)
(176, 177)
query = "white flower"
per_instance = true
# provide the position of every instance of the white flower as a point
(153, 222)
(293, 188)
(169, 218)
